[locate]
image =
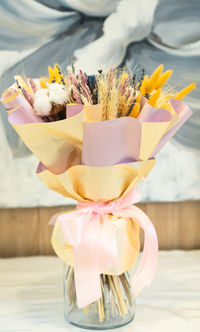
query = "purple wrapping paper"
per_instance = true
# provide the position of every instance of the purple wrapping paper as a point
(72, 110)
(184, 113)
(118, 141)
(111, 142)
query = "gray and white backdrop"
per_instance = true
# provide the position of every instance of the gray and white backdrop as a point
(100, 33)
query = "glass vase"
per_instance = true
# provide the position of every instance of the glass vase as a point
(115, 308)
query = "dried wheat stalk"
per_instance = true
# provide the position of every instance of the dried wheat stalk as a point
(116, 293)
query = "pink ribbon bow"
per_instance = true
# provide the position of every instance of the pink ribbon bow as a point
(92, 236)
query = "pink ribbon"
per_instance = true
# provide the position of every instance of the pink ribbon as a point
(92, 236)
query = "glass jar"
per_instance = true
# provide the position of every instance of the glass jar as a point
(115, 308)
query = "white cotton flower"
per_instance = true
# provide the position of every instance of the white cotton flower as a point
(54, 94)
(58, 93)
(42, 105)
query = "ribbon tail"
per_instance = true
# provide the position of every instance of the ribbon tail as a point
(87, 276)
(86, 265)
(108, 245)
(82, 232)
(147, 268)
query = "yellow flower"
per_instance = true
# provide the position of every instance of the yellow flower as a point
(55, 76)
(153, 88)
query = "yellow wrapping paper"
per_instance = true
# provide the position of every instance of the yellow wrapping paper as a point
(106, 184)
(93, 112)
(57, 144)
(128, 244)
(95, 184)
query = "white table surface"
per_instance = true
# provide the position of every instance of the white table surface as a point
(31, 296)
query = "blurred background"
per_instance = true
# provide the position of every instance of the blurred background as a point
(98, 34)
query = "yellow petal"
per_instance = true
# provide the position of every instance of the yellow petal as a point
(138, 98)
(153, 78)
(57, 73)
(181, 94)
(154, 97)
(51, 74)
(143, 88)
(43, 83)
(163, 79)
(135, 111)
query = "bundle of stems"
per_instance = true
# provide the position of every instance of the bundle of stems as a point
(117, 298)
(119, 91)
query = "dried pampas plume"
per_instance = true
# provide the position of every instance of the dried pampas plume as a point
(116, 92)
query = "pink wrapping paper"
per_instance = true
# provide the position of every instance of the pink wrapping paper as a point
(119, 141)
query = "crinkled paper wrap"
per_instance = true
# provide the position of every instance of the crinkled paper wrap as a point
(106, 184)
(128, 139)
(117, 151)
(56, 144)
(95, 184)
(128, 244)
(62, 144)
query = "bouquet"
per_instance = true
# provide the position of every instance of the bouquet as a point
(96, 137)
